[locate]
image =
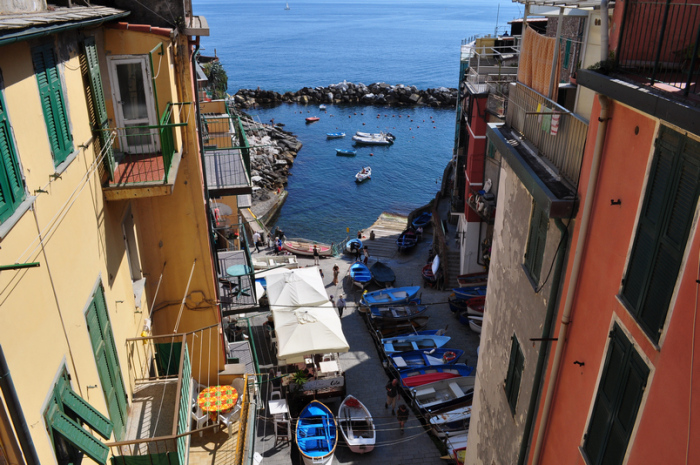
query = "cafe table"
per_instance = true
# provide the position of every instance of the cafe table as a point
(217, 399)
(237, 271)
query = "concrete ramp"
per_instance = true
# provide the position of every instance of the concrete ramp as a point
(386, 230)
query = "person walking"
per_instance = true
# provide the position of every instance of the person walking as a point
(330, 298)
(257, 240)
(366, 252)
(336, 272)
(392, 392)
(340, 305)
(316, 255)
(320, 270)
(402, 416)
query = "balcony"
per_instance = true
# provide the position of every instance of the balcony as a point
(236, 273)
(146, 159)
(491, 66)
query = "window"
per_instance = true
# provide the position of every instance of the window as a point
(11, 184)
(52, 102)
(662, 233)
(536, 241)
(65, 415)
(107, 362)
(515, 373)
(617, 402)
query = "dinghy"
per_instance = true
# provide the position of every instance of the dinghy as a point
(444, 395)
(451, 422)
(398, 313)
(364, 173)
(356, 425)
(390, 296)
(407, 239)
(422, 220)
(316, 434)
(388, 329)
(304, 247)
(335, 135)
(312, 119)
(382, 274)
(353, 245)
(360, 274)
(365, 138)
(418, 376)
(422, 358)
(321, 107)
(469, 291)
(345, 153)
(473, 279)
(404, 344)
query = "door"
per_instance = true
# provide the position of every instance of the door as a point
(134, 110)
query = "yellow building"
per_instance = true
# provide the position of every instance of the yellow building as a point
(105, 235)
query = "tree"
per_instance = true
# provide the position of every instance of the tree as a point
(218, 79)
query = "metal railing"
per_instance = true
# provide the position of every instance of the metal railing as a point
(145, 153)
(660, 42)
(532, 114)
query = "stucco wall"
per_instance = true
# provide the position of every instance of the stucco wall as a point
(512, 307)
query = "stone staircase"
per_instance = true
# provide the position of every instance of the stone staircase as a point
(453, 270)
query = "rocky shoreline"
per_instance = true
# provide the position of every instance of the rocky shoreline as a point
(348, 93)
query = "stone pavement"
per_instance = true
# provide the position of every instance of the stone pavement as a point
(365, 375)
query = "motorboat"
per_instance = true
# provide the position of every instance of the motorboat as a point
(418, 342)
(356, 425)
(265, 262)
(364, 138)
(345, 152)
(382, 274)
(398, 312)
(418, 376)
(364, 173)
(422, 220)
(360, 274)
(312, 119)
(420, 358)
(316, 434)
(321, 107)
(335, 135)
(390, 296)
(304, 247)
(439, 396)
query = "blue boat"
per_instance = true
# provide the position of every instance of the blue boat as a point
(360, 274)
(335, 135)
(422, 220)
(317, 434)
(464, 293)
(421, 358)
(353, 245)
(346, 153)
(390, 296)
(419, 376)
(418, 342)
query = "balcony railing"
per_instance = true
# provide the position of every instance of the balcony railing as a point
(659, 42)
(144, 154)
(535, 117)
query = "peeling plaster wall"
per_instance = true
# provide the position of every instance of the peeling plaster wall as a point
(495, 434)
(22, 6)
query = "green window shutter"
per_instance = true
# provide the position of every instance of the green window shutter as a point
(86, 412)
(98, 109)
(52, 102)
(11, 184)
(537, 238)
(79, 437)
(663, 230)
(617, 402)
(515, 373)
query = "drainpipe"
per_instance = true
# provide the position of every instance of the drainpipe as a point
(547, 330)
(604, 39)
(15, 410)
(576, 268)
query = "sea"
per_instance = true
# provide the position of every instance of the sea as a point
(321, 42)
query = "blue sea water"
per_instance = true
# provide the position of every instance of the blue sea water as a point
(321, 42)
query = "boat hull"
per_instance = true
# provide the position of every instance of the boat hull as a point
(422, 220)
(345, 153)
(390, 296)
(414, 377)
(389, 329)
(382, 274)
(404, 344)
(398, 313)
(316, 434)
(306, 248)
(356, 425)
(360, 274)
(444, 396)
(419, 358)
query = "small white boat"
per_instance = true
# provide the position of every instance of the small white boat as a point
(321, 107)
(365, 173)
(286, 7)
(366, 138)
(449, 423)
(274, 261)
(450, 392)
(356, 425)
(475, 323)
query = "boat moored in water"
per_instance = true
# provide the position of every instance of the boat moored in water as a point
(364, 173)
(345, 152)
(365, 138)
(312, 119)
(335, 135)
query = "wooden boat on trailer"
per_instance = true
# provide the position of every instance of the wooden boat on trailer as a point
(316, 434)
(356, 425)
(304, 247)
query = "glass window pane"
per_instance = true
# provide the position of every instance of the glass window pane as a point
(131, 91)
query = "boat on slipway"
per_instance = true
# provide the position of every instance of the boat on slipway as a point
(304, 247)
(316, 434)
(382, 274)
(360, 274)
(356, 425)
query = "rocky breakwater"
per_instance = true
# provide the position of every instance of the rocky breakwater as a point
(347, 93)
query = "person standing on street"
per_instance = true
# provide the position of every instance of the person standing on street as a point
(392, 392)
(366, 252)
(257, 240)
(402, 416)
(336, 272)
(316, 255)
(340, 305)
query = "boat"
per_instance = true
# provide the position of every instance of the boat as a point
(321, 107)
(304, 247)
(457, 447)
(286, 7)
(365, 138)
(364, 173)
(461, 305)
(468, 292)
(388, 329)
(382, 274)
(345, 153)
(356, 425)
(420, 358)
(418, 376)
(472, 279)
(451, 422)
(428, 275)
(335, 135)
(475, 323)
(407, 239)
(418, 342)
(352, 245)
(266, 262)
(422, 220)
(316, 434)
(360, 274)
(398, 313)
(312, 119)
(390, 296)
(441, 395)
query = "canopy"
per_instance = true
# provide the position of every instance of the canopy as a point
(308, 330)
(297, 288)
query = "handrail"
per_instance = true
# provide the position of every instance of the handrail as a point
(161, 336)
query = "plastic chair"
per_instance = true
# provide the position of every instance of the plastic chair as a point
(275, 394)
(238, 384)
(282, 431)
(228, 419)
(200, 417)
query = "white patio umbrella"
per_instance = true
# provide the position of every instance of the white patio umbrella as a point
(308, 330)
(302, 287)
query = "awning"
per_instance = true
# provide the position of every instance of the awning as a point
(298, 288)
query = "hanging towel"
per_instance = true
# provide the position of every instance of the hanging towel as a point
(539, 113)
(554, 128)
(546, 122)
